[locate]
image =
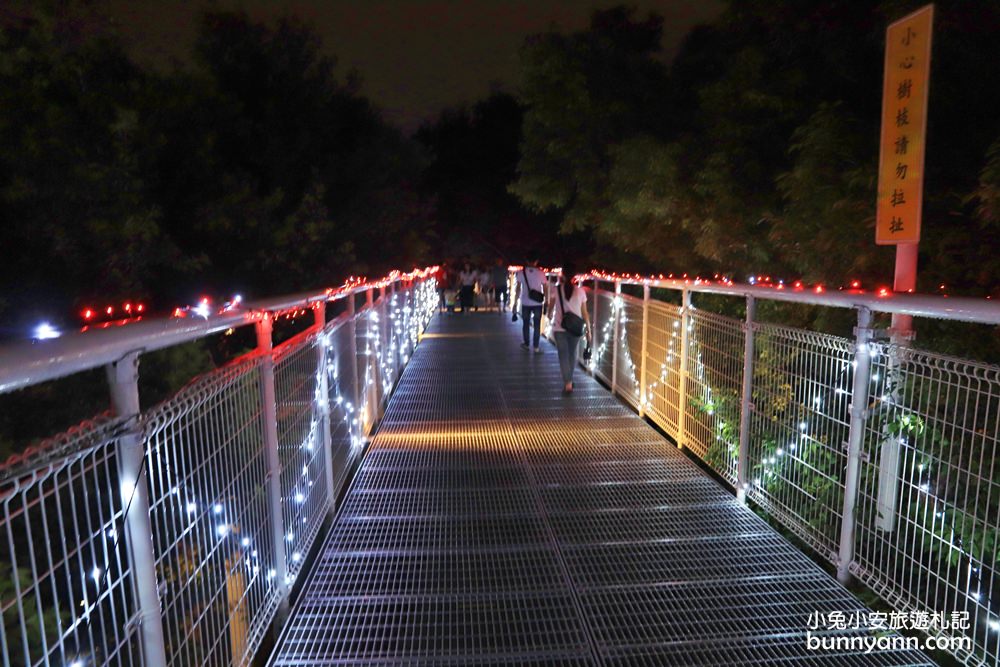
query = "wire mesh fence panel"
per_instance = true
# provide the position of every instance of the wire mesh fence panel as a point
(602, 359)
(928, 529)
(346, 421)
(714, 377)
(304, 492)
(209, 513)
(799, 423)
(66, 593)
(663, 364)
(629, 349)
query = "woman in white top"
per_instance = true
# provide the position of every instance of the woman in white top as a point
(467, 290)
(568, 298)
(485, 287)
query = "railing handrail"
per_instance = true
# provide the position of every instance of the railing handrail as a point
(937, 306)
(27, 363)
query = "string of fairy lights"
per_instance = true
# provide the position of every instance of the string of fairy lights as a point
(410, 318)
(777, 464)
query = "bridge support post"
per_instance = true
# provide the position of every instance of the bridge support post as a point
(682, 382)
(273, 462)
(855, 440)
(642, 360)
(616, 312)
(743, 453)
(594, 327)
(371, 386)
(123, 379)
(324, 438)
(352, 360)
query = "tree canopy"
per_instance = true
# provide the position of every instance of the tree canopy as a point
(756, 149)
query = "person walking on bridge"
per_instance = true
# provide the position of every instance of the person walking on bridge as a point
(467, 287)
(568, 307)
(530, 288)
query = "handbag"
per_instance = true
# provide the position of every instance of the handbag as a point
(533, 294)
(571, 322)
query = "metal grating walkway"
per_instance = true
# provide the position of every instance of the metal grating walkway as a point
(496, 522)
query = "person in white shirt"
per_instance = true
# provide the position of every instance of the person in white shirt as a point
(467, 285)
(485, 287)
(530, 280)
(567, 298)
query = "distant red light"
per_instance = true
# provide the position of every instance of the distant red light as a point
(140, 308)
(109, 310)
(883, 291)
(819, 289)
(855, 284)
(88, 314)
(128, 307)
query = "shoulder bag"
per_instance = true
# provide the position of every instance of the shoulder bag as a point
(571, 322)
(533, 294)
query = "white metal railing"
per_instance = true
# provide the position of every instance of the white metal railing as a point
(174, 535)
(881, 457)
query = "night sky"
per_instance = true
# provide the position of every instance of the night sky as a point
(415, 58)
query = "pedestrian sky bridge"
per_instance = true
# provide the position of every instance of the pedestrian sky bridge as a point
(396, 485)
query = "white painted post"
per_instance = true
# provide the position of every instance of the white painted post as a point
(901, 332)
(324, 438)
(642, 362)
(856, 434)
(269, 414)
(123, 379)
(743, 454)
(616, 313)
(682, 389)
(591, 366)
(352, 355)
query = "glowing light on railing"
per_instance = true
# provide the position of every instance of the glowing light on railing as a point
(45, 331)
(245, 541)
(202, 309)
(217, 509)
(192, 508)
(95, 574)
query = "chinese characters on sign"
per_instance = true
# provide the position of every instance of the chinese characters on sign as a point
(904, 126)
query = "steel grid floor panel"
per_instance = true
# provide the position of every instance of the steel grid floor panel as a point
(494, 521)
(416, 533)
(558, 438)
(695, 491)
(454, 456)
(612, 472)
(753, 556)
(454, 478)
(460, 572)
(433, 626)
(665, 613)
(671, 523)
(570, 455)
(451, 503)
(788, 650)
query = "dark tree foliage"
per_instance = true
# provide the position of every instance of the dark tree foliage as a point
(474, 155)
(756, 150)
(256, 169)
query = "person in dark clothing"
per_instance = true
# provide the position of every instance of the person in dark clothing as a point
(531, 284)
(467, 287)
